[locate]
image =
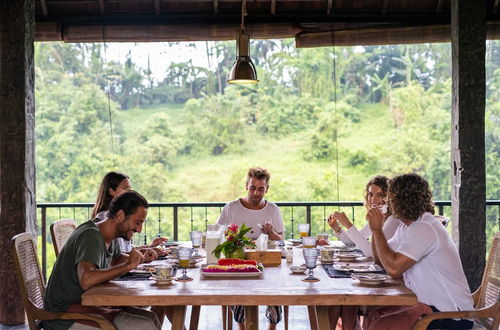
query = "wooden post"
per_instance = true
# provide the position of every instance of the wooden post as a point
(17, 163)
(468, 35)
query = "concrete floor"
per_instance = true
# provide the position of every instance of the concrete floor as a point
(211, 318)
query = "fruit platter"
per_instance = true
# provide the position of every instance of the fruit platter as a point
(233, 268)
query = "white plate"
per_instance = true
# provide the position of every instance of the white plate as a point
(232, 274)
(357, 268)
(298, 269)
(346, 257)
(161, 281)
(370, 278)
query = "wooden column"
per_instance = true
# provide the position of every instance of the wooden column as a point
(468, 35)
(17, 161)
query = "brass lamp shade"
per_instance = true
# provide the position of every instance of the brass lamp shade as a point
(243, 70)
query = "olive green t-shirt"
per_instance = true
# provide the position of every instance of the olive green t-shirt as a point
(63, 289)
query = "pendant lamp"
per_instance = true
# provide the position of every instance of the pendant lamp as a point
(243, 70)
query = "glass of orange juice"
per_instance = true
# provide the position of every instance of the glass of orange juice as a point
(184, 258)
(303, 229)
(308, 242)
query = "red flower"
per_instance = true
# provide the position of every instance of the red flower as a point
(233, 227)
(230, 237)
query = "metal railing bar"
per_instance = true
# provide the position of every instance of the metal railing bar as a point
(44, 242)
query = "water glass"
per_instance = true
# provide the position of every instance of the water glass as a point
(196, 241)
(184, 258)
(311, 257)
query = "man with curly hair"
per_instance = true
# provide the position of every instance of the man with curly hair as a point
(423, 254)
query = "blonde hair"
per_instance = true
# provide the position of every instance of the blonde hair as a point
(259, 174)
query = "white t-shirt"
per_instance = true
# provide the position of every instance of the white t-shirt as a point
(437, 278)
(125, 246)
(235, 212)
(360, 238)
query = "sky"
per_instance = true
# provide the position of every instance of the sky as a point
(161, 54)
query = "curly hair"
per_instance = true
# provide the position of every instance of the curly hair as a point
(409, 196)
(259, 174)
(380, 181)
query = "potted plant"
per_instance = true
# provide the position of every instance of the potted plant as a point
(236, 241)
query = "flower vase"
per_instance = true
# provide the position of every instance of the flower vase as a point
(237, 254)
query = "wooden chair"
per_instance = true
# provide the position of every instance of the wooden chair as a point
(486, 298)
(60, 231)
(32, 286)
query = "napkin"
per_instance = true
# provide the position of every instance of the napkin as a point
(261, 243)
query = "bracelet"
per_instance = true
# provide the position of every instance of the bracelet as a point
(338, 232)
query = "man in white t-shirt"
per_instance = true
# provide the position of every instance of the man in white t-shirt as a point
(263, 217)
(422, 252)
(254, 211)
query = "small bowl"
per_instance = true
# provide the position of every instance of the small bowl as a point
(298, 269)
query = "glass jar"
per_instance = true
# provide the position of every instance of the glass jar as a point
(289, 255)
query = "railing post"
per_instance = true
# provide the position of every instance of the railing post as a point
(44, 243)
(308, 218)
(176, 223)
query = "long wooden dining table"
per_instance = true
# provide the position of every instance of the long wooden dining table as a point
(276, 286)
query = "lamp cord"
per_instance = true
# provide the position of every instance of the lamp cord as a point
(109, 100)
(243, 14)
(335, 114)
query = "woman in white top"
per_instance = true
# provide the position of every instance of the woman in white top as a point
(113, 184)
(375, 194)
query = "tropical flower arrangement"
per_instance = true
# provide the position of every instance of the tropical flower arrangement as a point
(235, 242)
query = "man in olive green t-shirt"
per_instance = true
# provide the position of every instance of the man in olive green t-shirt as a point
(91, 256)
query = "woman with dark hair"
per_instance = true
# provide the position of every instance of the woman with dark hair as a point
(112, 185)
(375, 195)
(423, 253)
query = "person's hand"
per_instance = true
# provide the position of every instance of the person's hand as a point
(150, 255)
(267, 227)
(343, 219)
(135, 258)
(160, 252)
(332, 222)
(158, 241)
(375, 219)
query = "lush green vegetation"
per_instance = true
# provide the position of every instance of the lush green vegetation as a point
(190, 137)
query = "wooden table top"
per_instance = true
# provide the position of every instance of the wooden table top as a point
(277, 286)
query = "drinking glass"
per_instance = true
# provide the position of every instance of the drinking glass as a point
(311, 256)
(184, 258)
(308, 242)
(303, 229)
(196, 240)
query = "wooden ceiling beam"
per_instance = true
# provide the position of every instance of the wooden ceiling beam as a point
(45, 10)
(216, 7)
(329, 7)
(495, 6)
(157, 7)
(273, 7)
(101, 7)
